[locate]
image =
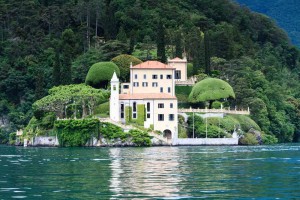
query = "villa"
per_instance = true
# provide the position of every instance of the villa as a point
(149, 99)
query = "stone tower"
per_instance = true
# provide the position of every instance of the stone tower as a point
(114, 110)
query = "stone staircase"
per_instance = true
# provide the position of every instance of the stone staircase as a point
(129, 127)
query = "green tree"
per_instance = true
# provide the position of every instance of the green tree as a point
(68, 49)
(123, 61)
(160, 41)
(211, 89)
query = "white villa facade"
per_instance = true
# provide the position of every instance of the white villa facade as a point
(149, 99)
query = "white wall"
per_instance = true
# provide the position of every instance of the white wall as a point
(206, 141)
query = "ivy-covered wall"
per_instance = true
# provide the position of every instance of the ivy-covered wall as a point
(128, 114)
(76, 132)
(140, 114)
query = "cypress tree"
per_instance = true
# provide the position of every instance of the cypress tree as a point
(68, 46)
(161, 49)
(207, 53)
(56, 69)
(178, 45)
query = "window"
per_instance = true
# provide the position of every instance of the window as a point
(160, 105)
(135, 76)
(134, 106)
(160, 117)
(148, 107)
(154, 76)
(161, 89)
(134, 115)
(114, 88)
(154, 84)
(145, 76)
(177, 74)
(169, 76)
(171, 117)
(148, 115)
(135, 84)
(145, 84)
(122, 111)
(161, 76)
(169, 90)
(171, 105)
(125, 86)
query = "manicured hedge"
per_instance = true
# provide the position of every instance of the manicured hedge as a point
(211, 89)
(101, 73)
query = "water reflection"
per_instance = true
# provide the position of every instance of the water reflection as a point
(147, 172)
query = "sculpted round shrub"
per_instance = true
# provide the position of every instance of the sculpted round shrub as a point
(123, 62)
(101, 73)
(211, 89)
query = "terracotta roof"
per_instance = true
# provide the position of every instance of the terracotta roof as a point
(152, 65)
(146, 96)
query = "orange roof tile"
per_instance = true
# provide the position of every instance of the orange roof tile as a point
(152, 65)
(146, 96)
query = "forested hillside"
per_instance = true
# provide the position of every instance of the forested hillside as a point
(286, 14)
(47, 43)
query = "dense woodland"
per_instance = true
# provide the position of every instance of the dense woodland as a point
(284, 12)
(49, 43)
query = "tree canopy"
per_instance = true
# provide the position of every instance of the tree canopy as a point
(61, 97)
(123, 61)
(101, 73)
(211, 89)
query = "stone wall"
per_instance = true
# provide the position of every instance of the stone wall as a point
(45, 141)
(205, 141)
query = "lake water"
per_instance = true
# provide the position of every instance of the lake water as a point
(262, 172)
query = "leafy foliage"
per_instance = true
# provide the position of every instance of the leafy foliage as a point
(76, 132)
(123, 61)
(248, 139)
(138, 137)
(211, 89)
(101, 73)
(79, 95)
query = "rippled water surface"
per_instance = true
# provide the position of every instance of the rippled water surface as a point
(264, 172)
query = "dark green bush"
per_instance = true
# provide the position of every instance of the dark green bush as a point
(189, 70)
(216, 105)
(140, 138)
(246, 122)
(268, 139)
(101, 73)
(102, 109)
(248, 139)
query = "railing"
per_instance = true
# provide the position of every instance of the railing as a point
(198, 110)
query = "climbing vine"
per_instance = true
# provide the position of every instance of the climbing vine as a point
(76, 132)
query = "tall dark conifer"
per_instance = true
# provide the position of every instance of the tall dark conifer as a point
(161, 49)
(68, 50)
(207, 53)
(56, 69)
(178, 45)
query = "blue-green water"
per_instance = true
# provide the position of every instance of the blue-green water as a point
(263, 172)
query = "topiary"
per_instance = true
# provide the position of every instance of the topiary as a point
(123, 62)
(211, 89)
(100, 74)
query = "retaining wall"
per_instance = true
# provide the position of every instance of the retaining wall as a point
(205, 141)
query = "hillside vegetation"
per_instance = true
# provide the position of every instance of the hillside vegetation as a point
(49, 43)
(285, 13)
